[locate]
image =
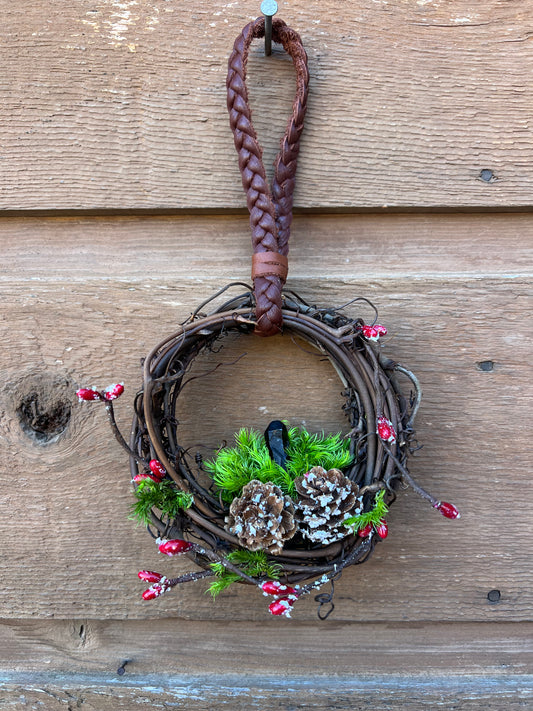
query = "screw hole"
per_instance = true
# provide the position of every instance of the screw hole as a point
(486, 365)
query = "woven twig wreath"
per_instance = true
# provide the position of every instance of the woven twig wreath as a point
(371, 392)
(299, 553)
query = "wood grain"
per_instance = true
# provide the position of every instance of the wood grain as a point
(208, 665)
(118, 107)
(176, 646)
(121, 105)
(98, 693)
(82, 303)
(196, 249)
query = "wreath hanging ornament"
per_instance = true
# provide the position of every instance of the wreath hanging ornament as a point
(284, 510)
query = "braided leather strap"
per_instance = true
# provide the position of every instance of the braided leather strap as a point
(270, 209)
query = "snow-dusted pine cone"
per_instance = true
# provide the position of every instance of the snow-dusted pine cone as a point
(326, 499)
(262, 518)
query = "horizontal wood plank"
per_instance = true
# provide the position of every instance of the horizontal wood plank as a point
(176, 646)
(208, 665)
(84, 301)
(56, 692)
(196, 249)
(121, 105)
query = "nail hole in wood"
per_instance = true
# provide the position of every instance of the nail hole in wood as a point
(485, 365)
(494, 596)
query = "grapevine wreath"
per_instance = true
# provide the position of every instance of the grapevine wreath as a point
(286, 510)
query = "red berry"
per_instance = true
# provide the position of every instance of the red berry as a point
(274, 587)
(143, 477)
(446, 509)
(150, 576)
(386, 430)
(88, 394)
(281, 606)
(174, 547)
(382, 529)
(113, 391)
(157, 468)
(370, 333)
(156, 590)
(366, 531)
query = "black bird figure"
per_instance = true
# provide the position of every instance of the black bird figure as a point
(277, 441)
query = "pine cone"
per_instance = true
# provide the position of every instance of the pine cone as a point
(262, 518)
(326, 499)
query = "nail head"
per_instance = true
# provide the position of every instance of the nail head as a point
(269, 7)
(486, 175)
(122, 668)
(494, 596)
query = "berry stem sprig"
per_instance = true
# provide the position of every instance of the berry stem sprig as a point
(161, 584)
(120, 439)
(446, 509)
(177, 546)
(112, 392)
(286, 596)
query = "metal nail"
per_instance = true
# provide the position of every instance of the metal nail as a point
(269, 9)
(122, 668)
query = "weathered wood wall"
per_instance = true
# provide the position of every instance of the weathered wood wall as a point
(119, 189)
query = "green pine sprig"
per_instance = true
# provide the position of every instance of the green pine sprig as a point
(373, 517)
(161, 495)
(253, 563)
(234, 467)
(306, 451)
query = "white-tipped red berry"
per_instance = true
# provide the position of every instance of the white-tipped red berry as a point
(157, 468)
(88, 394)
(366, 531)
(173, 547)
(113, 391)
(382, 529)
(149, 576)
(372, 333)
(156, 590)
(138, 478)
(385, 430)
(274, 587)
(282, 606)
(446, 509)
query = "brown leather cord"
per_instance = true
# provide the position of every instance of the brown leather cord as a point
(270, 208)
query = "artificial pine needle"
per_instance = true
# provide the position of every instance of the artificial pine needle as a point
(234, 467)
